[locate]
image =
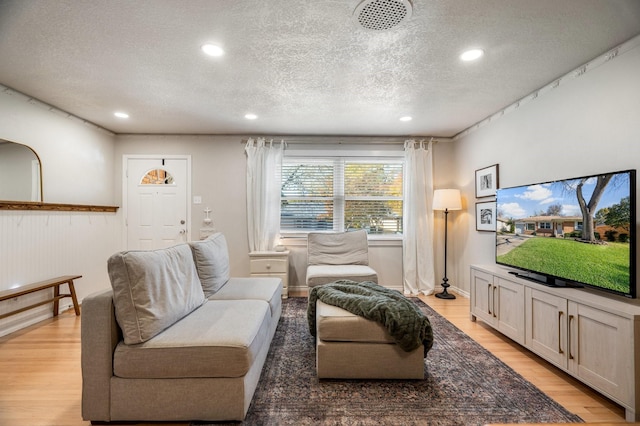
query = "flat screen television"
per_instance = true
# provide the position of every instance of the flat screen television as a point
(578, 232)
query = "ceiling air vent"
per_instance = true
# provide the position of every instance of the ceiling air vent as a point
(379, 15)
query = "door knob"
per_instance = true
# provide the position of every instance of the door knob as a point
(183, 231)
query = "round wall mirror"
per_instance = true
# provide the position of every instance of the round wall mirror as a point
(20, 173)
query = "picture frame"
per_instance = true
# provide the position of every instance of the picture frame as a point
(486, 216)
(487, 181)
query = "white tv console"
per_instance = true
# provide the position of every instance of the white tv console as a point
(591, 335)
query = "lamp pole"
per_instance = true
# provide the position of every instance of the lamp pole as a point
(445, 280)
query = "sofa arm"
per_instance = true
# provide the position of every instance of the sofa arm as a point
(99, 336)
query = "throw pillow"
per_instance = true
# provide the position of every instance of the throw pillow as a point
(211, 257)
(153, 289)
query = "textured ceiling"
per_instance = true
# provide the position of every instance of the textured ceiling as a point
(305, 67)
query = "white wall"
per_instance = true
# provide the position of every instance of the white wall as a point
(77, 167)
(76, 157)
(588, 124)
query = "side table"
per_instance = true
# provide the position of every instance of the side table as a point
(271, 264)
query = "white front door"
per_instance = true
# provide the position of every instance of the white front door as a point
(156, 193)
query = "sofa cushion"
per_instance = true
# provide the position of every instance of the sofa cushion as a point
(153, 289)
(211, 257)
(268, 289)
(222, 338)
(338, 248)
(324, 274)
(335, 324)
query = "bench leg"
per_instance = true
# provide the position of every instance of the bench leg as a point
(72, 290)
(56, 304)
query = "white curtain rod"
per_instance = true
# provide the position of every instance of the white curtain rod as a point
(348, 140)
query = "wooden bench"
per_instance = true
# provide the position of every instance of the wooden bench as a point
(43, 285)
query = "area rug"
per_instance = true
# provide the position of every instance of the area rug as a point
(464, 385)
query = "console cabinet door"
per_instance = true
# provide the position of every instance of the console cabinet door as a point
(508, 302)
(482, 296)
(545, 323)
(599, 348)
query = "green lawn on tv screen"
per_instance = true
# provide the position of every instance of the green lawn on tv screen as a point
(605, 265)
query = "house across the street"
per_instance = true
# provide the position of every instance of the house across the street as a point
(548, 225)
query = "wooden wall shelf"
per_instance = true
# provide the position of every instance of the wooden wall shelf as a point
(31, 205)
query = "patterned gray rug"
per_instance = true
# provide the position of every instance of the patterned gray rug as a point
(464, 385)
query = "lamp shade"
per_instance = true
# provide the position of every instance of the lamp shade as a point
(447, 199)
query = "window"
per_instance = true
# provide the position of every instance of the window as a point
(531, 226)
(578, 226)
(306, 198)
(545, 225)
(157, 177)
(340, 194)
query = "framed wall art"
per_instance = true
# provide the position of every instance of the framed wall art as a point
(487, 181)
(486, 216)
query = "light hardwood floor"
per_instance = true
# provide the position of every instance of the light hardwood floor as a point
(40, 381)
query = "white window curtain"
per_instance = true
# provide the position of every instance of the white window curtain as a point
(417, 247)
(264, 163)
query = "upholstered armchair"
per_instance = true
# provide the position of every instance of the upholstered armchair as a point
(338, 255)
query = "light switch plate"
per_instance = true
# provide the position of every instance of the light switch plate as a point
(197, 199)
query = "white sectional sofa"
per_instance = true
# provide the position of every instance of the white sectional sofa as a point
(176, 339)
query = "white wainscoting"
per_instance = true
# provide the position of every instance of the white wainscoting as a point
(36, 245)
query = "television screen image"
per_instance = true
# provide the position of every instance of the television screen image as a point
(571, 232)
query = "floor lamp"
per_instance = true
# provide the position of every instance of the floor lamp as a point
(446, 199)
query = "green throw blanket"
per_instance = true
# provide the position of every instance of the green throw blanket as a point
(402, 318)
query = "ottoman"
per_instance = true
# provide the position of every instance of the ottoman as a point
(351, 347)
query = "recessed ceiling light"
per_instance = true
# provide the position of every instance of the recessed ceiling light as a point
(472, 54)
(212, 50)
(250, 116)
(121, 114)
(406, 118)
